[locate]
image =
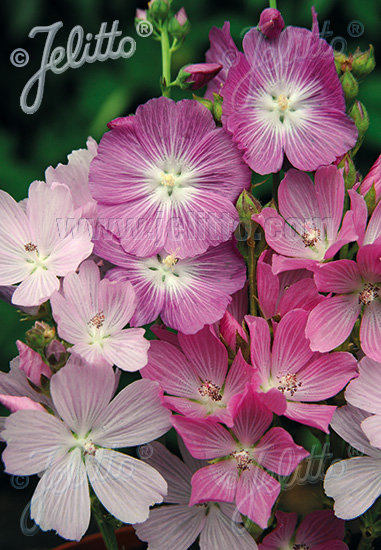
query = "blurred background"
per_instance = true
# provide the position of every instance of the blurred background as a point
(80, 102)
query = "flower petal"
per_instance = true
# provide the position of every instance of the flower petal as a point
(215, 482)
(276, 451)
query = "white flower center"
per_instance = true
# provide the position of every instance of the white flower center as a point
(170, 261)
(207, 389)
(311, 236)
(243, 459)
(283, 102)
(97, 321)
(168, 180)
(89, 448)
(288, 383)
(368, 294)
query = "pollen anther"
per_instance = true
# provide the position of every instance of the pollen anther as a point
(30, 247)
(243, 459)
(97, 321)
(368, 294)
(210, 390)
(289, 383)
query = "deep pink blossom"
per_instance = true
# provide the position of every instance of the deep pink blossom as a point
(239, 475)
(372, 178)
(357, 285)
(92, 314)
(76, 447)
(196, 378)
(284, 98)
(222, 51)
(166, 178)
(310, 227)
(319, 530)
(218, 524)
(292, 378)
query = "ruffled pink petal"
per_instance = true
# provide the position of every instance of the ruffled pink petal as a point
(61, 500)
(368, 260)
(204, 438)
(331, 322)
(282, 533)
(35, 440)
(342, 277)
(276, 451)
(80, 393)
(372, 429)
(222, 50)
(290, 350)
(240, 374)
(175, 526)
(298, 200)
(207, 355)
(168, 366)
(317, 416)
(135, 416)
(257, 492)
(260, 345)
(164, 335)
(330, 189)
(354, 484)
(127, 349)
(331, 545)
(126, 487)
(215, 482)
(303, 294)
(282, 263)
(72, 250)
(365, 391)
(229, 327)
(251, 418)
(325, 377)
(267, 287)
(320, 526)
(347, 234)
(372, 178)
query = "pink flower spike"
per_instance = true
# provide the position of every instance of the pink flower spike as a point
(91, 315)
(73, 449)
(271, 23)
(35, 246)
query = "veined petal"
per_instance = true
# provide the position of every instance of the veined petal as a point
(118, 302)
(317, 416)
(364, 391)
(261, 342)
(372, 429)
(251, 418)
(370, 330)
(221, 532)
(276, 451)
(36, 288)
(127, 349)
(341, 277)
(347, 423)
(215, 482)
(320, 526)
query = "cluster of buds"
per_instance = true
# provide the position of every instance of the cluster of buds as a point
(352, 69)
(158, 12)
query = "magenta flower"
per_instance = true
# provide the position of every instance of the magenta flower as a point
(357, 286)
(218, 524)
(35, 248)
(291, 377)
(271, 23)
(75, 175)
(307, 231)
(91, 314)
(320, 530)
(353, 483)
(239, 475)
(200, 74)
(196, 377)
(187, 294)
(222, 51)
(77, 446)
(279, 294)
(284, 97)
(167, 178)
(372, 178)
(368, 232)
(365, 393)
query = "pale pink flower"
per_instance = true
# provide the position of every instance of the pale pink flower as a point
(76, 447)
(240, 476)
(91, 313)
(292, 378)
(35, 247)
(218, 524)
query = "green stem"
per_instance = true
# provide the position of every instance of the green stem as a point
(166, 61)
(365, 543)
(107, 530)
(273, 4)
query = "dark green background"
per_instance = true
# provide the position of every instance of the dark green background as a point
(80, 102)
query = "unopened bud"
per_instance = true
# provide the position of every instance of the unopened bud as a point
(350, 86)
(349, 172)
(341, 63)
(271, 23)
(193, 77)
(140, 15)
(247, 206)
(39, 335)
(363, 62)
(56, 353)
(158, 9)
(178, 26)
(217, 107)
(361, 118)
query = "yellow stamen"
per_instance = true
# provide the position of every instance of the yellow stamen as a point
(283, 102)
(168, 180)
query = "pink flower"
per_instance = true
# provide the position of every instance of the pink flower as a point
(196, 378)
(271, 23)
(372, 178)
(357, 286)
(186, 293)
(320, 530)
(35, 248)
(365, 393)
(216, 523)
(166, 178)
(201, 73)
(284, 97)
(91, 314)
(291, 377)
(307, 231)
(77, 446)
(368, 232)
(240, 475)
(75, 175)
(354, 483)
(278, 294)
(222, 51)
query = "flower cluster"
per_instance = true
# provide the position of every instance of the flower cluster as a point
(255, 341)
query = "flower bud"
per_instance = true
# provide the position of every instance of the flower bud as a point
(158, 9)
(217, 107)
(56, 353)
(349, 172)
(247, 206)
(178, 26)
(342, 62)
(39, 335)
(350, 86)
(193, 77)
(361, 118)
(363, 62)
(271, 23)
(141, 15)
